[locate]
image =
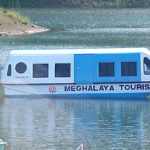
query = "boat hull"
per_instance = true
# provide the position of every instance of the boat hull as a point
(106, 90)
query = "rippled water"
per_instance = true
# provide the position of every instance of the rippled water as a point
(62, 124)
(83, 28)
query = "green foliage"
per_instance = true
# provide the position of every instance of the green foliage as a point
(17, 17)
(76, 3)
(25, 21)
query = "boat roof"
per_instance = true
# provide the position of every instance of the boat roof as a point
(81, 51)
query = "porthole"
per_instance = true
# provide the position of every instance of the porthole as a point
(21, 67)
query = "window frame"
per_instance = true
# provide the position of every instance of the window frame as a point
(62, 76)
(130, 74)
(109, 74)
(9, 70)
(40, 77)
(144, 65)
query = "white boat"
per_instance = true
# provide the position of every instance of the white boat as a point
(102, 73)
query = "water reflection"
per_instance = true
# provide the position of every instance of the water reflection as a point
(59, 124)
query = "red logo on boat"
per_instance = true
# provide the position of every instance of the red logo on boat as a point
(52, 89)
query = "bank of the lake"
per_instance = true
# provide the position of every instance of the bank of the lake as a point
(12, 23)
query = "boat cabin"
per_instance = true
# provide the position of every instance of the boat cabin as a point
(86, 66)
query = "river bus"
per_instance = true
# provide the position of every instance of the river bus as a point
(101, 73)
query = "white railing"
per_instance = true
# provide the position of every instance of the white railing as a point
(2, 144)
(80, 147)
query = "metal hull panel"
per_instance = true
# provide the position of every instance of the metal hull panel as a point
(108, 90)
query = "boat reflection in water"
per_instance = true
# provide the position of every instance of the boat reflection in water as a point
(65, 123)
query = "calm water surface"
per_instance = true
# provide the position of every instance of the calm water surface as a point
(62, 124)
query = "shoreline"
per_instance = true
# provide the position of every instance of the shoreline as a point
(13, 24)
(31, 30)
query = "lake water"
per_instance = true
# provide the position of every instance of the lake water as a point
(63, 124)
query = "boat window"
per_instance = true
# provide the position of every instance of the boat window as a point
(128, 69)
(62, 70)
(21, 67)
(106, 69)
(146, 66)
(9, 70)
(40, 70)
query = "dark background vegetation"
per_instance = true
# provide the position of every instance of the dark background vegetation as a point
(76, 3)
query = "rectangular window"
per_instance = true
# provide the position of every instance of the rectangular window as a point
(106, 69)
(62, 70)
(40, 70)
(128, 69)
(146, 66)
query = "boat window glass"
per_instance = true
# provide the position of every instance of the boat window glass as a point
(146, 66)
(9, 70)
(106, 69)
(128, 69)
(62, 70)
(40, 70)
(21, 67)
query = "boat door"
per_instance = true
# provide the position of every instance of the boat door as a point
(84, 68)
